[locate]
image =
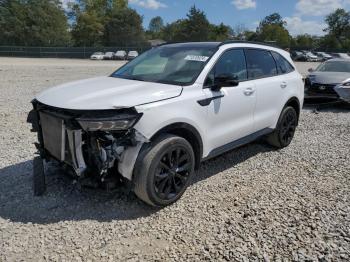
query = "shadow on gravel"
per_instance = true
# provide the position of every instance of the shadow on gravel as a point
(64, 201)
(326, 105)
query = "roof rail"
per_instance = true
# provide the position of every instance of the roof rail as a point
(248, 42)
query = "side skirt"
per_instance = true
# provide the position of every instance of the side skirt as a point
(235, 144)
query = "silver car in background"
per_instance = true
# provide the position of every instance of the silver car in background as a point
(120, 55)
(97, 56)
(330, 79)
(132, 55)
(108, 56)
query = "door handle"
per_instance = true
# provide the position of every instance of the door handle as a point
(249, 91)
(283, 84)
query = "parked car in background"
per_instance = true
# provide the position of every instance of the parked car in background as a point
(97, 56)
(344, 55)
(153, 121)
(310, 57)
(132, 55)
(120, 55)
(108, 56)
(323, 56)
(341, 55)
(330, 79)
(298, 56)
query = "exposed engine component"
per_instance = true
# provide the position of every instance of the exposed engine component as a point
(92, 144)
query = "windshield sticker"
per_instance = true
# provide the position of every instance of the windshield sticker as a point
(197, 58)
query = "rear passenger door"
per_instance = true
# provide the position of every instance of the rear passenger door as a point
(262, 70)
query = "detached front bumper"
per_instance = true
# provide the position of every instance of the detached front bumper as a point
(88, 150)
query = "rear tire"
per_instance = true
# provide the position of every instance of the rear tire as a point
(283, 135)
(164, 170)
(39, 184)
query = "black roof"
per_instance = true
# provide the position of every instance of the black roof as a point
(193, 44)
(215, 44)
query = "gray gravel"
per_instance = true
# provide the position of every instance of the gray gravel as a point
(251, 204)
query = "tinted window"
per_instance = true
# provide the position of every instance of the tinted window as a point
(232, 62)
(283, 66)
(260, 64)
(334, 66)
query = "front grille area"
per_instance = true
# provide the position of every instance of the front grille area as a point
(54, 135)
(327, 89)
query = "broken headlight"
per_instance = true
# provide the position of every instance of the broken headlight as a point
(347, 84)
(108, 124)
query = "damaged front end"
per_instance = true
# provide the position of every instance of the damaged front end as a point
(96, 144)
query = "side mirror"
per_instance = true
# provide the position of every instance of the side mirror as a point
(310, 70)
(224, 80)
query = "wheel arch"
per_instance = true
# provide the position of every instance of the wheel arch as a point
(295, 103)
(188, 132)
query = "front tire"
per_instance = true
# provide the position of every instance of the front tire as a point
(164, 170)
(284, 132)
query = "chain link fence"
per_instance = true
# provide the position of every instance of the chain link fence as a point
(63, 52)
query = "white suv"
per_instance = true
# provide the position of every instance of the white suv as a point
(154, 120)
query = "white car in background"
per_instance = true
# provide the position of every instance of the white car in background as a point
(120, 55)
(108, 56)
(310, 57)
(324, 56)
(344, 55)
(97, 56)
(132, 55)
(153, 121)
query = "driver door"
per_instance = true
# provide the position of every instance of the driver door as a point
(231, 109)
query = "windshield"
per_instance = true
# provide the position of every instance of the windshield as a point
(178, 65)
(334, 66)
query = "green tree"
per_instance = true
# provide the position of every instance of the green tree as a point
(276, 34)
(338, 23)
(195, 27)
(90, 18)
(273, 19)
(220, 32)
(156, 25)
(304, 41)
(121, 4)
(330, 42)
(272, 29)
(124, 28)
(88, 29)
(33, 23)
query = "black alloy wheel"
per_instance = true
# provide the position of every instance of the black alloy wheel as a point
(288, 126)
(172, 172)
(283, 135)
(164, 170)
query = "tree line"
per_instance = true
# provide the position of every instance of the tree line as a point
(113, 23)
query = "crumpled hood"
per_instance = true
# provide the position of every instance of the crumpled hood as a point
(106, 93)
(328, 77)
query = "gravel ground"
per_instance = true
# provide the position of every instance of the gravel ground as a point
(251, 204)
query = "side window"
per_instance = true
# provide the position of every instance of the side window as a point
(232, 62)
(260, 64)
(283, 66)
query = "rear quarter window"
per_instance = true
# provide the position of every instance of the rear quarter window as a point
(260, 63)
(283, 66)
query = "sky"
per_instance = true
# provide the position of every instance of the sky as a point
(302, 16)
